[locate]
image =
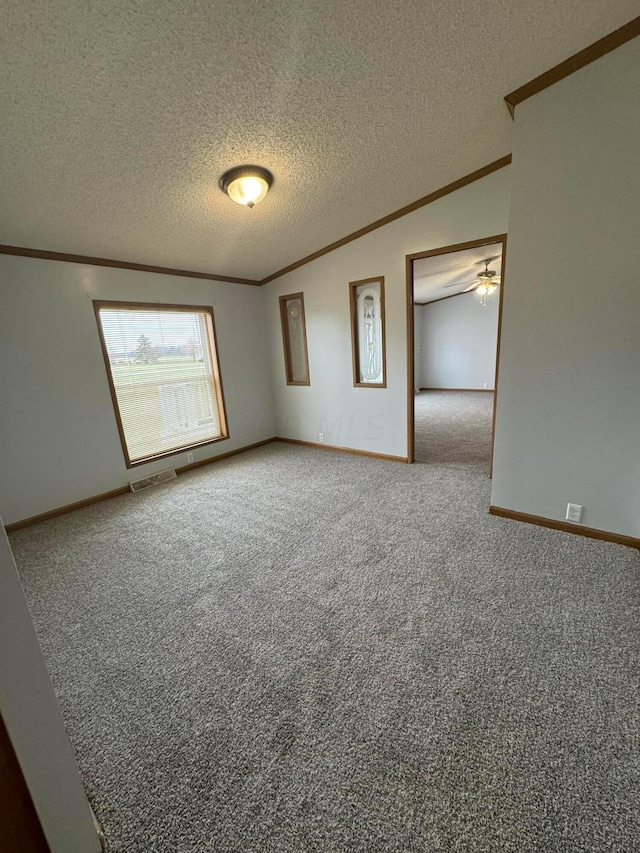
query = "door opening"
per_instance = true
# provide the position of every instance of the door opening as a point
(454, 313)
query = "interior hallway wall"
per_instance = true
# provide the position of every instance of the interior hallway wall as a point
(568, 402)
(459, 341)
(34, 723)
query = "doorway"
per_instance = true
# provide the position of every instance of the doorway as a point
(454, 312)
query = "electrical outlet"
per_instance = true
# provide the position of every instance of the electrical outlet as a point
(321, 437)
(486, 386)
(189, 457)
(574, 512)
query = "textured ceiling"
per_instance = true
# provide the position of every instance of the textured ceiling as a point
(118, 118)
(446, 275)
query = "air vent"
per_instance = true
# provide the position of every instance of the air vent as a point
(152, 480)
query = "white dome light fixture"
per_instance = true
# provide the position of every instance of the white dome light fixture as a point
(246, 185)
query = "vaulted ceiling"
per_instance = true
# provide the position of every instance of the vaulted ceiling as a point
(441, 276)
(119, 118)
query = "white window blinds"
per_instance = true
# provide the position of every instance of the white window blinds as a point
(164, 377)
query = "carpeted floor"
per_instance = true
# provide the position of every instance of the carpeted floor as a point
(454, 427)
(300, 651)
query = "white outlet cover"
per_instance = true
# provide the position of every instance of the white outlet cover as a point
(574, 512)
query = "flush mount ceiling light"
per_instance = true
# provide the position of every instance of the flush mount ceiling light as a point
(246, 184)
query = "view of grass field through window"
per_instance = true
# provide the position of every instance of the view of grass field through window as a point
(163, 377)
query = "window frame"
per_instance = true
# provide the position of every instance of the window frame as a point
(355, 332)
(286, 342)
(212, 343)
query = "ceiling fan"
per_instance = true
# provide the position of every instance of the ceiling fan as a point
(485, 283)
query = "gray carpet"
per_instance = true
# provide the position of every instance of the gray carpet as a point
(454, 427)
(296, 650)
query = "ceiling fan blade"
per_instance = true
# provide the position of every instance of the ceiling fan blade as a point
(459, 283)
(471, 287)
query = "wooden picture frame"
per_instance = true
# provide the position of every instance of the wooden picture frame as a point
(294, 339)
(368, 341)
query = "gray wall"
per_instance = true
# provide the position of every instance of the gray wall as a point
(459, 340)
(59, 441)
(568, 410)
(366, 418)
(34, 723)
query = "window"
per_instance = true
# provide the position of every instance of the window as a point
(163, 372)
(294, 339)
(367, 333)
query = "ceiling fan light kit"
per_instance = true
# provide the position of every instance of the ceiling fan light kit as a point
(485, 290)
(488, 283)
(246, 185)
(484, 285)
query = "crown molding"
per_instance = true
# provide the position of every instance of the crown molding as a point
(123, 265)
(579, 60)
(391, 217)
(574, 63)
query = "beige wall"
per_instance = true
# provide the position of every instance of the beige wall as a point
(568, 410)
(373, 420)
(459, 340)
(59, 442)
